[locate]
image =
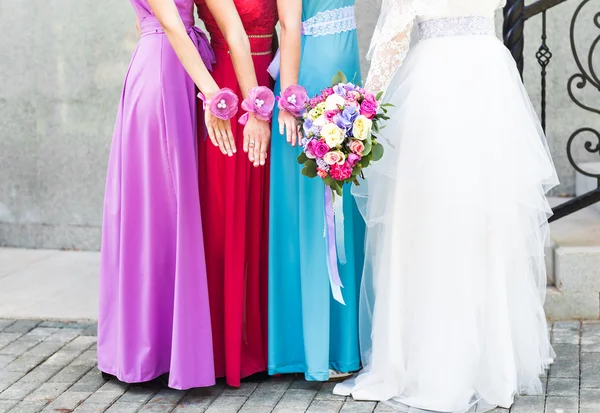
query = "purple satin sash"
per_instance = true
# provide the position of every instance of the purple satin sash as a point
(332, 261)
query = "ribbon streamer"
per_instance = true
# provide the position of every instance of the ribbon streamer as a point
(330, 236)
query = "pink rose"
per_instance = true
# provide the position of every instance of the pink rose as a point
(329, 114)
(356, 146)
(319, 148)
(321, 173)
(328, 92)
(341, 172)
(353, 159)
(334, 157)
(369, 106)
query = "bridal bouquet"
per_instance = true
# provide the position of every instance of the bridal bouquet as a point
(339, 127)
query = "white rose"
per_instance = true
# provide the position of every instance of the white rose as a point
(333, 135)
(334, 102)
(320, 121)
(362, 127)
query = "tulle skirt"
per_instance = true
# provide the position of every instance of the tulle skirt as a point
(451, 314)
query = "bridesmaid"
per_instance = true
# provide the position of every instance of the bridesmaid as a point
(235, 206)
(310, 332)
(154, 312)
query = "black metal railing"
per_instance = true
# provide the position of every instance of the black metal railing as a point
(515, 16)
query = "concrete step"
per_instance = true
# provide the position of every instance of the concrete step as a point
(573, 263)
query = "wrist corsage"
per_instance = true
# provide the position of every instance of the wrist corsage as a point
(223, 104)
(294, 100)
(261, 102)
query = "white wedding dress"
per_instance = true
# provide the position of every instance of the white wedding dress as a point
(451, 310)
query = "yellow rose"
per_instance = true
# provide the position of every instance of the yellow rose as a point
(333, 135)
(362, 127)
(333, 102)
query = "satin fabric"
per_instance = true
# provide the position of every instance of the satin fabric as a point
(234, 196)
(309, 332)
(154, 311)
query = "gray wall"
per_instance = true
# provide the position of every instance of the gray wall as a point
(62, 67)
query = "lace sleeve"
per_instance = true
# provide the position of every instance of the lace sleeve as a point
(387, 59)
(390, 43)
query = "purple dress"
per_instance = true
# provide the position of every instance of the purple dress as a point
(154, 311)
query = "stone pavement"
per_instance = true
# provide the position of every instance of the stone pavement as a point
(51, 367)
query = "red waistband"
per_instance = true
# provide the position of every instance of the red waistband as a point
(260, 44)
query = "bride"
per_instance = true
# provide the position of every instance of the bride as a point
(452, 315)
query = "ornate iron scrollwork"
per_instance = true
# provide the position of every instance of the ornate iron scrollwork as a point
(586, 77)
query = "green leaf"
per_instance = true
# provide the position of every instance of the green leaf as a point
(368, 147)
(377, 152)
(339, 78)
(302, 158)
(337, 188)
(310, 168)
(328, 180)
(379, 95)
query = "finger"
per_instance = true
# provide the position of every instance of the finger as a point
(294, 137)
(246, 141)
(288, 133)
(282, 128)
(251, 149)
(211, 135)
(230, 137)
(220, 140)
(257, 152)
(225, 140)
(263, 153)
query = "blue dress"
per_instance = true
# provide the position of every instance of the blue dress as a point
(310, 332)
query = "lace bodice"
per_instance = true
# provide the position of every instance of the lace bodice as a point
(258, 16)
(391, 39)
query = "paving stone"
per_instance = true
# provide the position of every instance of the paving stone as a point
(566, 352)
(41, 373)
(40, 333)
(157, 408)
(114, 386)
(5, 323)
(47, 392)
(18, 346)
(64, 336)
(80, 344)
(5, 360)
(562, 404)
(296, 399)
(25, 363)
(62, 357)
(590, 370)
(527, 404)
(565, 369)
(351, 406)
(307, 385)
(19, 390)
(137, 395)
(7, 338)
(566, 325)
(200, 398)
(589, 401)
(45, 348)
(53, 324)
(226, 404)
(382, 407)
(569, 336)
(21, 326)
(274, 385)
(120, 407)
(28, 407)
(326, 392)
(265, 402)
(86, 407)
(66, 402)
(5, 405)
(87, 358)
(245, 389)
(80, 325)
(590, 338)
(91, 331)
(563, 387)
(7, 378)
(105, 398)
(325, 406)
(92, 381)
(69, 374)
(167, 396)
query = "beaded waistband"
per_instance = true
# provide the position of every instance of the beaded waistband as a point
(330, 22)
(457, 26)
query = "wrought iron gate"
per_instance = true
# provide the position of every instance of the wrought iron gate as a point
(515, 16)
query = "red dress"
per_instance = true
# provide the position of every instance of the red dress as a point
(234, 198)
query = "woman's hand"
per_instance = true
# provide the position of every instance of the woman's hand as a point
(219, 132)
(288, 124)
(257, 136)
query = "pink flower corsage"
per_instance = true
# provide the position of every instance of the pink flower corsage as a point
(261, 102)
(293, 100)
(224, 103)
